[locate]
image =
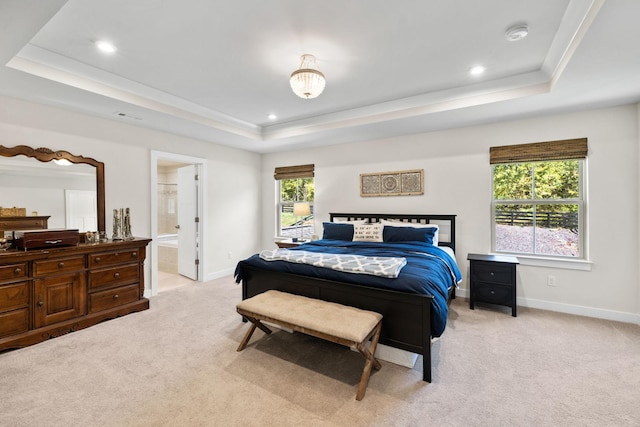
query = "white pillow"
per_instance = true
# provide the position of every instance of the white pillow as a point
(367, 232)
(389, 223)
(345, 221)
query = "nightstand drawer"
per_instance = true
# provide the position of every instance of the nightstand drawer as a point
(493, 294)
(492, 272)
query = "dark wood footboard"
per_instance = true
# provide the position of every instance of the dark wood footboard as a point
(406, 322)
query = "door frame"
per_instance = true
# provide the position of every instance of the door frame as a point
(202, 212)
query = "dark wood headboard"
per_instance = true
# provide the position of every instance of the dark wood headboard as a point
(446, 223)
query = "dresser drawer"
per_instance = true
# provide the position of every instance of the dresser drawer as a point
(13, 271)
(14, 322)
(114, 276)
(492, 272)
(14, 295)
(494, 294)
(60, 265)
(113, 258)
(111, 298)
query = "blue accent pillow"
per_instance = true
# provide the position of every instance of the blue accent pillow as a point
(337, 231)
(408, 234)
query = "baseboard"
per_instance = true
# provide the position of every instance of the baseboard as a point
(219, 274)
(578, 310)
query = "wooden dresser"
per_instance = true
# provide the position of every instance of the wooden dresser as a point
(48, 293)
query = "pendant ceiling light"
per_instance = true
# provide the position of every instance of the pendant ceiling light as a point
(307, 81)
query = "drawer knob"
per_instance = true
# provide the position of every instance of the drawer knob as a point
(40, 303)
(116, 275)
(134, 254)
(97, 259)
(492, 292)
(60, 264)
(116, 296)
(17, 270)
(491, 273)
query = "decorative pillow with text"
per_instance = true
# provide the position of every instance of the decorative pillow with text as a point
(367, 233)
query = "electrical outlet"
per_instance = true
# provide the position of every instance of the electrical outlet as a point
(551, 280)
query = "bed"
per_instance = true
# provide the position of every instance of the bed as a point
(410, 317)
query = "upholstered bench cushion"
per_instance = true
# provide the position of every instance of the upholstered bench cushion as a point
(338, 320)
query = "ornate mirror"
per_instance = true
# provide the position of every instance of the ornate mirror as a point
(66, 187)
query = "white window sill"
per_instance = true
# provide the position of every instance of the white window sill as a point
(567, 264)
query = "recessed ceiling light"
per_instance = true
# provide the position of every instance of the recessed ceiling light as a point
(272, 116)
(517, 32)
(106, 46)
(477, 70)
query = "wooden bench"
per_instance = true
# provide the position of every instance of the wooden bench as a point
(326, 320)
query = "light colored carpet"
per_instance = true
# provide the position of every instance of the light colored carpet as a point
(176, 365)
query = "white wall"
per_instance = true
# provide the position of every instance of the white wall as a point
(233, 175)
(458, 181)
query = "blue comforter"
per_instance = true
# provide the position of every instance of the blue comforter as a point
(429, 270)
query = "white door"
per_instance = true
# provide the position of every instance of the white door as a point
(81, 210)
(187, 221)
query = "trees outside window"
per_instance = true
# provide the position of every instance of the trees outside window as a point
(538, 208)
(292, 191)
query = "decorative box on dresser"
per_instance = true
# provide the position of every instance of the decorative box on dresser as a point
(51, 292)
(492, 280)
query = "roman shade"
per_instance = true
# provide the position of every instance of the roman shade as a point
(292, 172)
(539, 151)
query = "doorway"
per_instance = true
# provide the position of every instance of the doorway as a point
(177, 205)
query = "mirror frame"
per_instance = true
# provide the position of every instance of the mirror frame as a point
(46, 155)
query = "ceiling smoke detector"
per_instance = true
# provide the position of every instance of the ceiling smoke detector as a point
(517, 32)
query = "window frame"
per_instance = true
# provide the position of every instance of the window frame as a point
(581, 201)
(299, 172)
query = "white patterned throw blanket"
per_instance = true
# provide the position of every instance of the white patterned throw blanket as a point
(376, 266)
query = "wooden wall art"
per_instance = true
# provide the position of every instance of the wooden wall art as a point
(400, 183)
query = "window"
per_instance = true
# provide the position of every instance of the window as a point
(295, 187)
(538, 198)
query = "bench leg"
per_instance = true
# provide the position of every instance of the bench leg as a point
(371, 362)
(252, 328)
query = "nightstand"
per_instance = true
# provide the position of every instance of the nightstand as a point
(492, 280)
(288, 243)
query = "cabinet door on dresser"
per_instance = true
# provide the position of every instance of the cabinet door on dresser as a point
(60, 294)
(14, 299)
